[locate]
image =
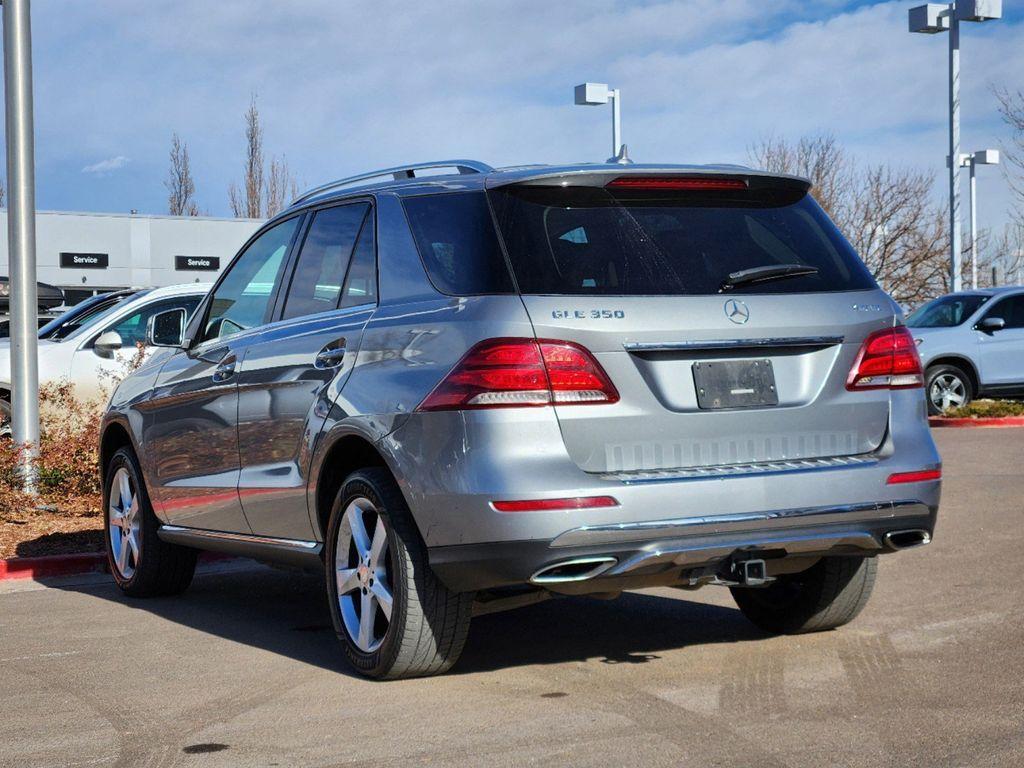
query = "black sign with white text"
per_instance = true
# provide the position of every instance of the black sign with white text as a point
(84, 260)
(197, 263)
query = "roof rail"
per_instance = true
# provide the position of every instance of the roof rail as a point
(397, 173)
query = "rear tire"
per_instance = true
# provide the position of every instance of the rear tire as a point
(825, 596)
(376, 566)
(141, 563)
(945, 385)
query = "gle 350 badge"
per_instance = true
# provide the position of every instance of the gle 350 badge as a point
(588, 314)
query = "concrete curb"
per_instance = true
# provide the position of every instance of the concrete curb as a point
(70, 565)
(994, 421)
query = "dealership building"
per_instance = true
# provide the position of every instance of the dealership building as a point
(88, 253)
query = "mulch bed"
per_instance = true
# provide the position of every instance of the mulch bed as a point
(27, 532)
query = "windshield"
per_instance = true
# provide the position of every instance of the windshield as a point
(945, 312)
(82, 314)
(594, 240)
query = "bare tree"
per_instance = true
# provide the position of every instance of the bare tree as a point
(262, 193)
(181, 189)
(818, 158)
(1011, 107)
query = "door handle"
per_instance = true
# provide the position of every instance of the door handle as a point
(225, 370)
(331, 356)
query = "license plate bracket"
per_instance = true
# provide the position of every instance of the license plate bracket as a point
(722, 384)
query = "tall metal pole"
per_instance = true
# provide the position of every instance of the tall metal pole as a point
(954, 148)
(21, 232)
(616, 122)
(974, 224)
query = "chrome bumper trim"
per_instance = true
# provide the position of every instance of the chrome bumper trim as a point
(636, 477)
(706, 525)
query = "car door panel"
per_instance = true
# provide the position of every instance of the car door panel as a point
(1001, 352)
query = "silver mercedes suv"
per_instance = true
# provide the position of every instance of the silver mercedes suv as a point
(459, 389)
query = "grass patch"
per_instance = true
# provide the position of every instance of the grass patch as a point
(987, 409)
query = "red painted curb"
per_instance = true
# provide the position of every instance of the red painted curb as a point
(993, 421)
(70, 565)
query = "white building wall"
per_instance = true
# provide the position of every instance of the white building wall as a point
(141, 250)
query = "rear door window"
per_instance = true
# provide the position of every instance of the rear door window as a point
(455, 236)
(591, 240)
(323, 261)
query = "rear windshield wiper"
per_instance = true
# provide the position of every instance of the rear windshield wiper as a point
(765, 274)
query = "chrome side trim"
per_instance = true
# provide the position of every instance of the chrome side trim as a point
(712, 344)
(639, 476)
(241, 538)
(704, 525)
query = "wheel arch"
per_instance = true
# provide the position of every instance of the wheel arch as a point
(346, 454)
(115, 435)
(962, 363)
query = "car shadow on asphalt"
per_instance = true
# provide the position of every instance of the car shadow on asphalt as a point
(286, 613)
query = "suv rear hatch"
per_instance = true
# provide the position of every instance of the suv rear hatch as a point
(714, 364)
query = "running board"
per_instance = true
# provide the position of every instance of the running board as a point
(291, 551)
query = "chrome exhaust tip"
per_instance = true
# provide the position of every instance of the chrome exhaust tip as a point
(916, 537)
(578, 569)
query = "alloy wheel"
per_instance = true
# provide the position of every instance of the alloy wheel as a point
(947, 391)
(124, 523)
(363, 570)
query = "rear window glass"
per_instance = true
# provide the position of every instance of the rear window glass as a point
(587, 240)
(456, 239)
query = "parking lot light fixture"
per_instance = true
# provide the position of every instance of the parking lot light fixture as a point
(595, 94)
(972, 161)
(930, 19)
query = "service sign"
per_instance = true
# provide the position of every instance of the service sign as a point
(84, 260)
(197, 263)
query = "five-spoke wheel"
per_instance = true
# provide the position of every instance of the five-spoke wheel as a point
(123, 523)
(363, 573)
(948, 387)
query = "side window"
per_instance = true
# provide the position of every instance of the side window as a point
(242, 299)
(361, 281)
(1011, 309)
(457, 242)
(132, 329)
(324, 259)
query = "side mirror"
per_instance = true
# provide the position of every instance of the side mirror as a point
(992, 324)
(107, 344)
(166, 329)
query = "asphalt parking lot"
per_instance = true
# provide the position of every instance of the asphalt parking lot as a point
(243, 670)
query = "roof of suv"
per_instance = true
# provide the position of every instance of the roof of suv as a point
(471, 174)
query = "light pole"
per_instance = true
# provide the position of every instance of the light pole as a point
(594, 94)
(972, 161)
(21, 233)
(931, 19)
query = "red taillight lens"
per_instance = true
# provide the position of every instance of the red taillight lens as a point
(887, 359)
(520, 373)
(546, 505)
(919, 476)
(677, 182)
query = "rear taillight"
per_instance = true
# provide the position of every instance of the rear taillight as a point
(887, 359)
(548, 505)
(677, 182)
(520, 373)
(917, 476)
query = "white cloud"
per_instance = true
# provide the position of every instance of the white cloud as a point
(103, 167)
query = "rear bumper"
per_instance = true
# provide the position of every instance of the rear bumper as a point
(680, 550)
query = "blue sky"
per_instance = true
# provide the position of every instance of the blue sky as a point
(347, 86)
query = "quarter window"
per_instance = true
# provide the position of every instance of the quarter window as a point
(323, 261)
(361, 281)
(242, 300)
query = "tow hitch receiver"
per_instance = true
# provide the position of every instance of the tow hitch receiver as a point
(751, 573)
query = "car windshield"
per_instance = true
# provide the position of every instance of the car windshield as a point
(946, 311)
(83, 314)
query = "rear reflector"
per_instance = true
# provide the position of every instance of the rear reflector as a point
(547, 505)
(919, 476)
(677, 182)
(520, 373)
(887, 359)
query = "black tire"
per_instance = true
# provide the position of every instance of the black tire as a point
(5, 420)
(428, 623)
(826, 596)
(158, 568)
(947, 374)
